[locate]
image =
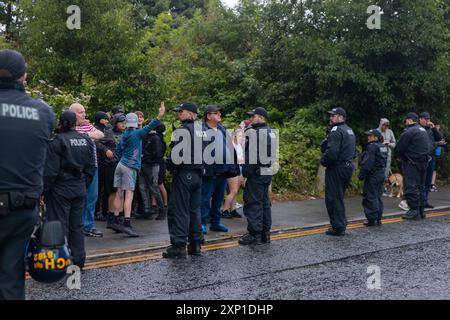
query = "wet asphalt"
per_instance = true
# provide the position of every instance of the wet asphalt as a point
(413, 259)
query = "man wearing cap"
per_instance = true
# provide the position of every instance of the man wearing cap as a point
(435, 138)
(373, 164)
(26, 126)
(413, 148)
(258, 162)
(338, 151)
(216, 173)
(389, 140)
(186, 165)
(129, 153)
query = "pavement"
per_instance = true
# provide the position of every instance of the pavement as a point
(399, 260)
(286, 216)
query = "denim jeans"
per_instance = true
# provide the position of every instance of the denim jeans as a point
(91, 199)
(213, 193)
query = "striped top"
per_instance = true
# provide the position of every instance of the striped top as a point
(86, 128)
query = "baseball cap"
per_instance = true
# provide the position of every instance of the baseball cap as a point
(188, 106)
(132, 120)
(12, 65)
(373, 132)
(338, 111)
(425, 115)
(412, 115)
(211, 109)
(259, 111)
(118, 118)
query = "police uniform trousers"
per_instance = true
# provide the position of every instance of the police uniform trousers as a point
(70, 213)
(337, 180)
(15, 232)
(414, 175)
(183, 216)
(257, 206)
(373, 195)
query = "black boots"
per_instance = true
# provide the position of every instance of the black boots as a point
(412, 214)
(332, 232)
(194, 249)
(250, 239)
(174, 252)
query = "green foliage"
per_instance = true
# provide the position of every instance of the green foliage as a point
(280, 54)
(300, 141)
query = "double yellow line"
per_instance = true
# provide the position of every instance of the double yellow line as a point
(234, 243)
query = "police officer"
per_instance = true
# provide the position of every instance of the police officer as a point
(338, 151)
(257, 206)
(185, 163)
(414, 149)
(69, 169)
(435, 138)
(26, 126)
(373, 165)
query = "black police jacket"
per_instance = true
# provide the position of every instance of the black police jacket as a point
(180, 157)
(414, 145)
(255, 158)
(339, 147)
(26, 127)
(70, 164)
(373, 159)
(154, 149)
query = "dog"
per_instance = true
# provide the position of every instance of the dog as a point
(394, 185)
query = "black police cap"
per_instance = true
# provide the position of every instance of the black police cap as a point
(338, 111)
(188, 106)
(259, 111)
(12, 65)
(425, 115)
(373, 132)
(116, 110)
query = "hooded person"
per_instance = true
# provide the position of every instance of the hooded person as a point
(389, 140)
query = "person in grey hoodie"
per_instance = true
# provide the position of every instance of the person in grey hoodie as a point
(389, 140)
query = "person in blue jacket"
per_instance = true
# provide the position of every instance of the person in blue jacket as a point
(129, 151)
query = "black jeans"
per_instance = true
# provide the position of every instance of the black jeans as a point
(337, 179)
(70, 213)
(15, 233)
(257, 206)
(183, 216)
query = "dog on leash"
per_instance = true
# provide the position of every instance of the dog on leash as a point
(394, 185)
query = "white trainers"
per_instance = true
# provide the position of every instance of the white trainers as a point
(404, 205)
(238, 205)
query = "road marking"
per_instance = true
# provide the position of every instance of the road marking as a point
(234, 243)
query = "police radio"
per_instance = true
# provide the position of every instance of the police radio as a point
(47, 255)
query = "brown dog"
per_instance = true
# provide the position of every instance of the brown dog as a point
(394, 185)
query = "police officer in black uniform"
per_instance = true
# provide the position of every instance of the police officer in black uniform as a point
(414, 149)
(257, 206)
(338, 151)
(69, 169)
(185, 163)
(26, 126)
(373, 165)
